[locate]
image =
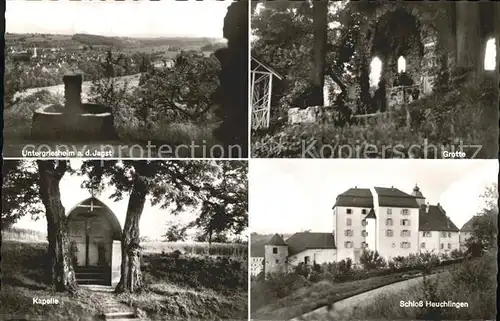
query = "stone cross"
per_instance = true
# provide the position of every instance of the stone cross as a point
(72, 93)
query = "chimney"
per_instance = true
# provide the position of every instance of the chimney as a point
(72, 93)
(427, 207)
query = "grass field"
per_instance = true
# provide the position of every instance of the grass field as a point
(316, 295)
(176, 287)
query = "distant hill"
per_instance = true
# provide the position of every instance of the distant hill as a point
(53, 40)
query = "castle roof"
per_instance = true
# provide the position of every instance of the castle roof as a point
(257, 247)
(417, 193)
(355, 197)
(469, 225)
(302, 241)
(276, 240)
(95, 207)
(435, 219)
(393, 197)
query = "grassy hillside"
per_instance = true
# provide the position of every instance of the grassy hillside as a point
(176, 287)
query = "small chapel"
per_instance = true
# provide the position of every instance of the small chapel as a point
(95, 238)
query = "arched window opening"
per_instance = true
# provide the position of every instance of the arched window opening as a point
(401, 64)
(375, 71)
(490, 56)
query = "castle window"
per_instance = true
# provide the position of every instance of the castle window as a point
(363, 211)
(348, 245)
(405, 222)
(275, 250)
(449, 234)
(389, 233)
(426, 234)
(405, 233)
(405, 245)
(405, 211)
(449, 246)
(349, 211)
(442, 246)
(388, 222)
(364, 244)
(364, 233)
(277, 261)
(364, 222)
(389, 211)
(348, 232)
(393, 244)
(349, 222)
(307, 260)
(422, 245)
(443, 234)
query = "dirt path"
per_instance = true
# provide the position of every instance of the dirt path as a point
(111, 307)
(58, 90)
(341, 308)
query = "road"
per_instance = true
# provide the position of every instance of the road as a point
(59, 89)
(340, 309)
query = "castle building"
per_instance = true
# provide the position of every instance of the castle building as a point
(386, 220)
(391, 222)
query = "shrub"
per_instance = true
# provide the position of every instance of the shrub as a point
(371, 260)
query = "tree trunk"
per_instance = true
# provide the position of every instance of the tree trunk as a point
(317, 77)
(468, 37)
(131, 277)
(63, 275)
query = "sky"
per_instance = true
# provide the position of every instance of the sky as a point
(141, 18)
(153, 223)
(288, 196)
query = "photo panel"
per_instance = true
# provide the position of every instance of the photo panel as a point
(377, 79)
(124, 239)
(126, 79)
(373, 239)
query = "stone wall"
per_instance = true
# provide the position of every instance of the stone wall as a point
(310, 115)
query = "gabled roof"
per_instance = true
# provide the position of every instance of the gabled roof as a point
(257, 248)
(259, 63)
(435, 219)
(469, 225)
(100, 209)
(302, 241)
(393, 197)
(371, 214)
(276, 240)
(355, 197)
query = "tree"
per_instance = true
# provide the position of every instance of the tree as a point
(51, 173)
(20, 192)
(33, 188)
(176, 185)
(175, 233)
(320, 23)
(485, 225)
(184, 91)
(12, 84)
(225, 207)
(468, 37)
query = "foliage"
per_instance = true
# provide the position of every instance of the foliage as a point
(183, 92)
(371, 260)
(11, 85)
(220, 273)
(20, 192)
(441, 122)
(485, 225)
(175, 232)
